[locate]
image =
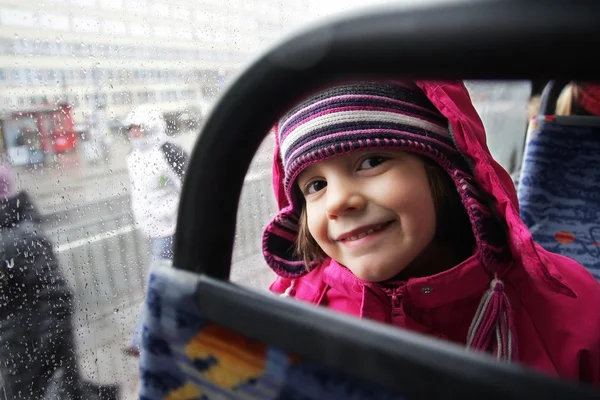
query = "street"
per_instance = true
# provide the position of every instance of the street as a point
(87, 214)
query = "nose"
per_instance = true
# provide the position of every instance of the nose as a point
(343, 196)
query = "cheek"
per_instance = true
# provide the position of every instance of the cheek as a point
(317, 223)
(426, 217)
(411, 199)
(423, 211)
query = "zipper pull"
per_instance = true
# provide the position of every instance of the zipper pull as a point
(394, 300)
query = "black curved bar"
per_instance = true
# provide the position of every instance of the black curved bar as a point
(501, 39)
(413, 365)
(550, 95)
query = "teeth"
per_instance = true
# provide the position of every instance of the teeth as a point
(362, 235)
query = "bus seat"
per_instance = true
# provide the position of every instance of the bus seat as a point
(559, 187)
(187, 356)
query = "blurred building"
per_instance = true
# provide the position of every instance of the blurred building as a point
(114, 54)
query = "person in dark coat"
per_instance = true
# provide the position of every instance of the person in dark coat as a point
(37, 342)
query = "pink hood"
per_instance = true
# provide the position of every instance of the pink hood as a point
(554, 300)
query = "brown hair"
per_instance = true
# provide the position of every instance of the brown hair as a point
(452, 222)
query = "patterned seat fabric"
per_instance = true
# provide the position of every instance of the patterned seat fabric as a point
(186, 356)
(559, 190)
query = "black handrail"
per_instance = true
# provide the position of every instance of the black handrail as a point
(550, 95)
(499, 39)
(413, 365)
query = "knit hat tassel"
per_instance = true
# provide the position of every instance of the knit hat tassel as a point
(492, 329)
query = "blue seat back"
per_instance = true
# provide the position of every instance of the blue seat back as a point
(559, 189)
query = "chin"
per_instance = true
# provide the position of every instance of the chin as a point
(368, 273)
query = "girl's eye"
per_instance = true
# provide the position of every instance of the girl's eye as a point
(315, 186)
(372, 162)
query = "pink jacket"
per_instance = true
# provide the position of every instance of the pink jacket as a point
(555, 301)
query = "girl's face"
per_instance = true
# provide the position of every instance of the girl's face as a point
(371, 210)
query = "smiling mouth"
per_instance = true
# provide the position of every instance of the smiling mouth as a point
(368, 232)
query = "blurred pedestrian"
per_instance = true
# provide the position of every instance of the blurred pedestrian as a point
(37, 341)
(156, 167)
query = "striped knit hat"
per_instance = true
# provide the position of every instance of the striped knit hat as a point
(393, 115)
(362, 116)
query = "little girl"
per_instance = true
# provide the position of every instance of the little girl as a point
(393, 209)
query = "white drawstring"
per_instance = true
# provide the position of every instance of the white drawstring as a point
(288, 291)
